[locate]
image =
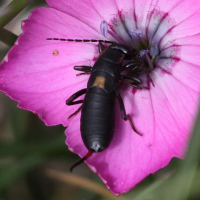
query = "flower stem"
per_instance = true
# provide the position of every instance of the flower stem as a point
(13, 9)
(7, 37)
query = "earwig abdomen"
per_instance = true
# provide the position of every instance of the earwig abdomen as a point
(97, 119)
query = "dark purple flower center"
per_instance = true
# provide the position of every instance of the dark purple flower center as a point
(148, 41)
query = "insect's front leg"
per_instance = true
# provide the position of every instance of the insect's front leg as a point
(123, 112)
(135, 82)
(84, 69)
(133, 66)
(101, 47)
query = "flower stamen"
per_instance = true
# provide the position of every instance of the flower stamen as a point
(149, 61)
(154, 51)
(136, 33)
(104, 28)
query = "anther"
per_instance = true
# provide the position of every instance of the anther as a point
(154, 50)
(143, 52)
(104, 28)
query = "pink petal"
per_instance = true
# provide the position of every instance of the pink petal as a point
(83, 10)
(186, 32)
(172, 18)
(99, 9)
(40, 81)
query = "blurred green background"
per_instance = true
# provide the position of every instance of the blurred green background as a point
(35, 162)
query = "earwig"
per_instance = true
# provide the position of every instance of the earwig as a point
(97, 109)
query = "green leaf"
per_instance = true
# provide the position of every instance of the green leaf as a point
(29, 149)
(15, 171)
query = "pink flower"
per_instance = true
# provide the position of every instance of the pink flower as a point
(39, 75)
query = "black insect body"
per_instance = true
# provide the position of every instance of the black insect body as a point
(97, 109)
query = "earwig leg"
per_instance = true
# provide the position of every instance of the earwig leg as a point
(123, 112)
(132, 78)
(150, 79)
(85, 73)
(85, 69)
(134, 66)
(138, 87)
(70, 100)
(75, 113)
(101, 47)
(135, 81)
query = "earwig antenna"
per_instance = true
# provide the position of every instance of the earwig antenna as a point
(89, 153)
(78, 40)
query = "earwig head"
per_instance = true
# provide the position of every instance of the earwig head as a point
(89, 153)
(125, 49)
